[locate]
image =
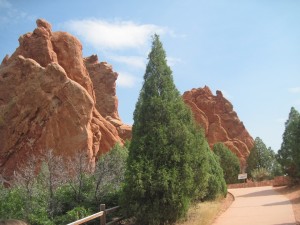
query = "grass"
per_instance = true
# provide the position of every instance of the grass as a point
(203, 213)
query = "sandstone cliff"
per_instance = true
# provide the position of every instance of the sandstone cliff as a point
(220, 121)
(104, 80)
(48, 100)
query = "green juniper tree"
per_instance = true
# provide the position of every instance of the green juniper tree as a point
(165, 149)
(289, 153)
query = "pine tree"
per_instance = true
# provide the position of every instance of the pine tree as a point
(289, 153)
(160, 177)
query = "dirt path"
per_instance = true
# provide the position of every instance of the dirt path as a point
(259, 206)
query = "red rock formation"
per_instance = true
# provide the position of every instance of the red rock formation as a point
(220, 121)
(48, 101)
(104, 80)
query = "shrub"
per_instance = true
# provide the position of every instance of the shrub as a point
(260, 174)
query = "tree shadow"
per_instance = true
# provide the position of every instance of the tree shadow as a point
(287, 224)
(260, 193)
(287, 202)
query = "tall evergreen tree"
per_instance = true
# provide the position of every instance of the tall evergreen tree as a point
(289, 153)
(160, 177)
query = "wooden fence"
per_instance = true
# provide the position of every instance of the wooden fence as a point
(101, 215)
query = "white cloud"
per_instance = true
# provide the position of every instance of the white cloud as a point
(115, 35)
(295, 90)
(132, 61)
(126, 80)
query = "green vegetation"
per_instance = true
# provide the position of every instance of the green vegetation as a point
(229, 163)
(56, 196)
(167, 166)
(167, 162)
(260, 174)
(216, 182)
(289, 153)
(262, 163)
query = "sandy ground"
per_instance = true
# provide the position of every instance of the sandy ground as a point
(293, 194)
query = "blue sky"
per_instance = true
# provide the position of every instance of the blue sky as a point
(249, 49)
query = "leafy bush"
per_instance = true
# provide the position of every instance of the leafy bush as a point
(12, 203)
(61, 193)
(260, 174)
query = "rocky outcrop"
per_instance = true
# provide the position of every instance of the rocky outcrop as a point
(104, 80)
(48, 100)
(220, 121)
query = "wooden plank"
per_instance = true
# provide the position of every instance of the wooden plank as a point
(112, 209)
(88, 218)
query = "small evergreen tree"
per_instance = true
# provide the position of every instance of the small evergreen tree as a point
(160, 177)
(289, 153)
(229, 162)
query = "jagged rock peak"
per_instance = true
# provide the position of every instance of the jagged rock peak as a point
(43, 23)
(48, 100)
(219, 121)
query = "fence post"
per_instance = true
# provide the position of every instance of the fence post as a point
(102, 218)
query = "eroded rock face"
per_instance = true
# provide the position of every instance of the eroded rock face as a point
(48, 101)
(104, 80)
(220, 121)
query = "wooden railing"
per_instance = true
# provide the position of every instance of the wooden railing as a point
(102, 215)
